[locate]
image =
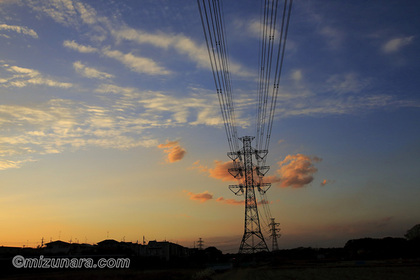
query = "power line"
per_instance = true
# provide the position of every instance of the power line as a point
(265, 115)
(279, 66)
(270, 50)
(211, 14)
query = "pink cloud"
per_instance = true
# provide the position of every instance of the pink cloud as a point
(295, 171)
(196, 165)
(230, 201)
(325, 182)
(202, 197)
(263, 202)
(174, 150)
(239, 202)
(220, 171)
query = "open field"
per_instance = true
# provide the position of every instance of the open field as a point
(325, 272)
(372, 270)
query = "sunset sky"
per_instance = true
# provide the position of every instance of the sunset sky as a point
(110, 125)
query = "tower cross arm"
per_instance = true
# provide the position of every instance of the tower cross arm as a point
(263, 187)
(261, 154)
(237, 189)
(234, 155)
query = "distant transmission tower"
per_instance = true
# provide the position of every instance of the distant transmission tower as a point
(253, 239)
(275, 234)
(200, 244)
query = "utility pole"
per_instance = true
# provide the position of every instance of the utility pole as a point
(253, 239)
(274, 234)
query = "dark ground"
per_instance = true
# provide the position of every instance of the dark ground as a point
(343, 270)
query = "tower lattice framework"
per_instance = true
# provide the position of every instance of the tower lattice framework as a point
(274, 234)
(245, 170)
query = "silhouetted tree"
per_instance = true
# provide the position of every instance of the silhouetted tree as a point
(413, 233)
(213, 254)
(373, 248)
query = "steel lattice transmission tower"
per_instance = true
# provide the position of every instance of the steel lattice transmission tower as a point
(273, 44)
(275, 233)
(253, 239)
(200, 244)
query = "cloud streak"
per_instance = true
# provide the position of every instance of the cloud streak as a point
(230, 201)
(76, 14)
(59, 125)
(90, 72)
(137, 64)
(202, 197)
(7, 164)
(206, 196)
(180, 43)
(396, 44)
(80, 48)
(19, 29)
(142, 65)
(22, 77)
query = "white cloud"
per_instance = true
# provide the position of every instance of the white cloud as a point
(19, 29)
(22, 77)
(333, 36)
(120, 122)
(90, 72)
(209, 116)
(136, 63)
(180, 43)
(349, 82)
(59, 125)
(255, 28)
(111, 88)
(48, 82)
(61, 11)
(347, 93)
(87, 13)
(21, 70)
(75, 14)
(7, 164)
(297, 75)
(80, 48)
(396, 44)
